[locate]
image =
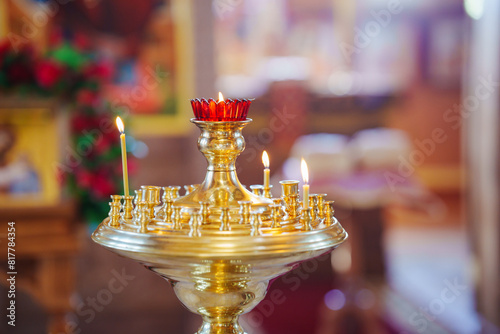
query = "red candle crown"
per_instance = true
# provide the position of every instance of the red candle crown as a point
(222, 110)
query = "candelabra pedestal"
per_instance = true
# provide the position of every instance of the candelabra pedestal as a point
(219, 245)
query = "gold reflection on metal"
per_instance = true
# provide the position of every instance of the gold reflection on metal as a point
(218, 244)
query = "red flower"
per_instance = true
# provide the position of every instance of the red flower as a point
(103, 186)
(84, 178)
(55, 37)
(100, 71)
(47, 73)
(81, 41)
(112, 137)
(82, 122)
(87, 97)
(102, 145)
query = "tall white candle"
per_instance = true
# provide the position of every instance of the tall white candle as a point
(121, 128)
(267, 171)
(305, 187)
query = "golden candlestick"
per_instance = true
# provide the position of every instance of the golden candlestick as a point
(128, 207)
(219, 244)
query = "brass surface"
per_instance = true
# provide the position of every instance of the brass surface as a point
(219, 245)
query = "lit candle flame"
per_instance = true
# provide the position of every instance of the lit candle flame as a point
(265, 159)
(221, 97)
(305, 171)
(119, 124)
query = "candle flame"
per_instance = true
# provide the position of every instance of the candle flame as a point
(305, 171)
(221, 97)
(265, 159)
(119, 124)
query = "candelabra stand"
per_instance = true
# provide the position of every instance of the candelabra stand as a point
(219, 245)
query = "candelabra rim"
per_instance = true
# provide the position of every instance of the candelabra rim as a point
(216, 245)
(201, 121)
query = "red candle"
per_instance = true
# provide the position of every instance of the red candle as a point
(221, 110)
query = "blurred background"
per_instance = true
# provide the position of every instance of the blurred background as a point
(393, 103)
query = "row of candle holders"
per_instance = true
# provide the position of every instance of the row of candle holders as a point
(146, 207)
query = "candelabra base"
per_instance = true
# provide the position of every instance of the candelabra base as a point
(220, 278)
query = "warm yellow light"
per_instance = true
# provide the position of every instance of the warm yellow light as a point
(221, 97)
(119, 124)
(265, 159)
(305, 171)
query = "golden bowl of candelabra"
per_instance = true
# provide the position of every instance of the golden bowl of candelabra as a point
(219, 245)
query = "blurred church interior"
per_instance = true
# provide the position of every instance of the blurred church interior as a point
(395, 105)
